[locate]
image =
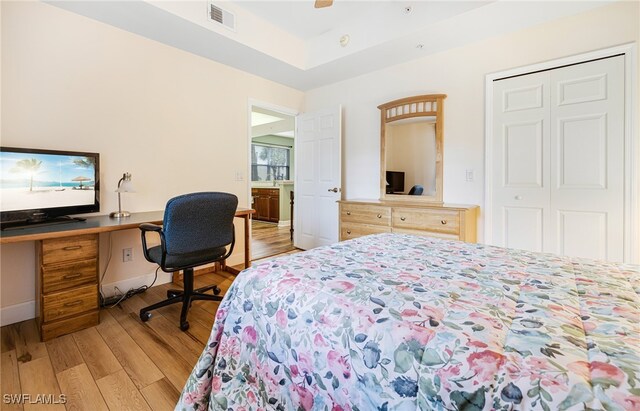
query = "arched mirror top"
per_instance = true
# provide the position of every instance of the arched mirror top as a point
(411, 133)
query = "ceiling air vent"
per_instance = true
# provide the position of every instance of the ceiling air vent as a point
(221, 16)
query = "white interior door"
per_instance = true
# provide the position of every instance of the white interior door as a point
(559, 161)
(520, 170)
(318, 178)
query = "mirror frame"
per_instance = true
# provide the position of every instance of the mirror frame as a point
(429, 105)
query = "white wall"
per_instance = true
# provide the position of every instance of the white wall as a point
(459, 73)
(175, 121)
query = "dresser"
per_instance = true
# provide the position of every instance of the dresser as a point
(364, 217)
(67, 284)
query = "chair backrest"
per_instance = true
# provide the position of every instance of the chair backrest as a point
(199, 221)
(416, 190)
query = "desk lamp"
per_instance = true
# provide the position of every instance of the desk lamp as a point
(124, 186)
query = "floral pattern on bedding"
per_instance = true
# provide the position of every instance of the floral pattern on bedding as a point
(399, 322)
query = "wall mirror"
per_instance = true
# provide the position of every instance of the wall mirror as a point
(411, 149)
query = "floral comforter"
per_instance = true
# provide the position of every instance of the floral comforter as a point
(398, 322)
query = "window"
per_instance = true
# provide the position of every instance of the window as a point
(269, 162)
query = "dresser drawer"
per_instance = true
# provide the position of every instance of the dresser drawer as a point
(349, 231)
(67, 303)
(436, 220)
(59, 277)
(59, 250)
(365, 214)
(424, 233)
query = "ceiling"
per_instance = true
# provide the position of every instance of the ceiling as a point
(295, 44)
(265, 122)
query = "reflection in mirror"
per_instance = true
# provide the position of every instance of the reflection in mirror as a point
(411, 133)
(411, 156)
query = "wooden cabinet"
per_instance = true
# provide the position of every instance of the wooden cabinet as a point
(266, 202)
(67, 285)
(453, 222)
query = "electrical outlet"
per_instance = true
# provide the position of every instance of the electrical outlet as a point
(127, 255)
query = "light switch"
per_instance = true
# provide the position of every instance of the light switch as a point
(469, 174)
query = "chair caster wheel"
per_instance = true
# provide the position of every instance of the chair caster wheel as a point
(145, 316)
(171, 294)
(216, 290)
(184, 326)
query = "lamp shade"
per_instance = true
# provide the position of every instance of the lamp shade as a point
(126, 187)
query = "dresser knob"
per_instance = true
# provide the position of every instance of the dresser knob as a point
(348, 212)
(443, 222)
(403, 218)
(348, 231)
(379, 215)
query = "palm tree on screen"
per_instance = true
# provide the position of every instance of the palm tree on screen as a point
(29, 166)
(85, 162)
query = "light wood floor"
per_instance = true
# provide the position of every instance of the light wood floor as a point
(268, 239)
(121, 364)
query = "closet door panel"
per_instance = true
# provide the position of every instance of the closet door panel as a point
(521, 162)
(587, 159)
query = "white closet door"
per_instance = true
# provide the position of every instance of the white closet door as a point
(587, 159)
(521, 162)
(559, 161)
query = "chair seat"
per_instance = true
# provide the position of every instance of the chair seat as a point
(188, 259)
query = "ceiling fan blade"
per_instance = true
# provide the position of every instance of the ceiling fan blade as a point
(323, 3)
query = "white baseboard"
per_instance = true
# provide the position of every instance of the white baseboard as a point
(284, 223)
(124, 285)
(18, 312)
(27, 310)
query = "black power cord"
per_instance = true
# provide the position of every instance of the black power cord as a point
(117, 299)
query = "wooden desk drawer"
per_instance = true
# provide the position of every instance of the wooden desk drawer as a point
(365, 214)
(440, 220)
(349, 231)
(55, 278)
(67, 303)
(69, 325)
(57, 250)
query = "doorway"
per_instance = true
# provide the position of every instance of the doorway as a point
(272, 171)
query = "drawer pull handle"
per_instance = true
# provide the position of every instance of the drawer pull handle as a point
(379, 215)
(348, 231)
(72, 276)
(73, 303)
(72, 247)
(403, 218)
(443, 222)
(348, 212)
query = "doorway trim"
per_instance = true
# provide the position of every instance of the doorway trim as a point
(279, 109)
(631, 144)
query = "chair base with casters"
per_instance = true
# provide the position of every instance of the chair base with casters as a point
(197, 230)
(186, 297)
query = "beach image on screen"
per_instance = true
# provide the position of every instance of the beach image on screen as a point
(37, 181)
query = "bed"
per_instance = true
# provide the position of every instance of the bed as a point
(399, 322)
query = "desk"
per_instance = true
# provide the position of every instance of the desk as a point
(67, 267)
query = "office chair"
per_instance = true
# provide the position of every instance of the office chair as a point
(416, 190)
(197, 229)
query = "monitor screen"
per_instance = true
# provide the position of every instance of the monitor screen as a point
(395, 182)
(50, 182)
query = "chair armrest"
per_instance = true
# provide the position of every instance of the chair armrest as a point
(144, 229)
(150, 227)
